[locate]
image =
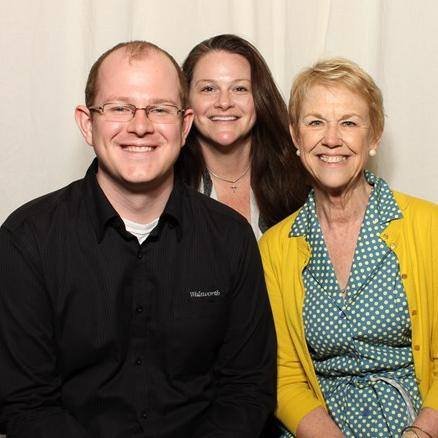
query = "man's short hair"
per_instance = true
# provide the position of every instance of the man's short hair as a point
(134, 50)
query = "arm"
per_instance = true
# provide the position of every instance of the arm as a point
(316, 424)
(298, 407)
(30, 389)
(246, 361)
(427, 418)
(426, 424)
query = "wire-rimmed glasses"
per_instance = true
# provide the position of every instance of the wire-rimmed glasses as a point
(125, 112)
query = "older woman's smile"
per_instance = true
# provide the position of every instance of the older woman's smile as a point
(334, 137)
(332, 158)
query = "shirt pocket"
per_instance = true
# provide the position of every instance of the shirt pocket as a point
(196, 331)
(201, 297)
(200, 306)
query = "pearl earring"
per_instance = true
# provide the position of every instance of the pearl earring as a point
(298, 152)
(372, 152)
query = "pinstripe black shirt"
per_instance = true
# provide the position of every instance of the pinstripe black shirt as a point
(103, 337)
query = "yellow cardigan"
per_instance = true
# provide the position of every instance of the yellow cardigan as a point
(414, 239)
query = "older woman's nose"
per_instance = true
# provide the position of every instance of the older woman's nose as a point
(332, 136)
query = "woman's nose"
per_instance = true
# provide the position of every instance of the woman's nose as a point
(332, 135)
(224, 100)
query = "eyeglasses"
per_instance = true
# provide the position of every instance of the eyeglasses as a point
(125, 112)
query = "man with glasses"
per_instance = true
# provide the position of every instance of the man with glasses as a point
(131, 306)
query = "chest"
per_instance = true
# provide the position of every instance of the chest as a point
(165, 295)
(372, 317)
(238, 199)
(341, 244)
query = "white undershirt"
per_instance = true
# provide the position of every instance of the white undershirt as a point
(140, 231)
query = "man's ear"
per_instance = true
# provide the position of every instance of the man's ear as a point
(186, 124)
(84, 122)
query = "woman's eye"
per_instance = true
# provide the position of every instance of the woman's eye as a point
(241, 89)
(207, 89)
(348, 123)
(314, 123)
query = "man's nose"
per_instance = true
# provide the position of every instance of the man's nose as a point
(140, 123)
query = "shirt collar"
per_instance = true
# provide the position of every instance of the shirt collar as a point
(306, 218)
(173, 212)
(103, 214)
(381, 198)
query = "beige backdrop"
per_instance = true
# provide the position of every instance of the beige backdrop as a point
(48, 46)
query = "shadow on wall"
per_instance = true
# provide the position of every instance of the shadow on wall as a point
(383, 160)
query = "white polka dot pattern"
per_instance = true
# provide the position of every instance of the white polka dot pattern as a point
(366, 334)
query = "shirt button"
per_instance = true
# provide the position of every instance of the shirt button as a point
(139, 309)
(393, 246)
(385, 236)
(414, 312)
(416, 347)
(139, 255)
(138, 361)
(404, 276)
(144, 415)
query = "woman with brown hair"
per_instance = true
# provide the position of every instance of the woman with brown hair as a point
(239, 150)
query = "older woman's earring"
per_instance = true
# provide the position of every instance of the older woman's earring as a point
(298, 152)
(372, 152)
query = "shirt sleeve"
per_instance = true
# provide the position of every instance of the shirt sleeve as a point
(246, 365)
(295, 398)
(30, 389)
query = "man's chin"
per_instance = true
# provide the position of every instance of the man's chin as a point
(145, 184)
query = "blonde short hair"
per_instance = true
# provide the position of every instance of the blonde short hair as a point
(335, 72)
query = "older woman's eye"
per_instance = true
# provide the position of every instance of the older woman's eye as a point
(348, 123)
(315, 123)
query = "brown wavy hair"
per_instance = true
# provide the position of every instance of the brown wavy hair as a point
(277, 176)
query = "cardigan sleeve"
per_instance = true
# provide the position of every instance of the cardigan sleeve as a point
(417, 252)
(295, 397)
(431, 242)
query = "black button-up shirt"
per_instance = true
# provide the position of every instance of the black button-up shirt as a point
(103, 337)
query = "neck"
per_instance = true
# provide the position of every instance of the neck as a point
(141, 204)
(229, 161)
(341, 208)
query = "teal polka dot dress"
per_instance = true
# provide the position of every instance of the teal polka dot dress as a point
(360, 341)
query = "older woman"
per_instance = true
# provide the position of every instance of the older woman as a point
(239, 150)
(352, 275)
